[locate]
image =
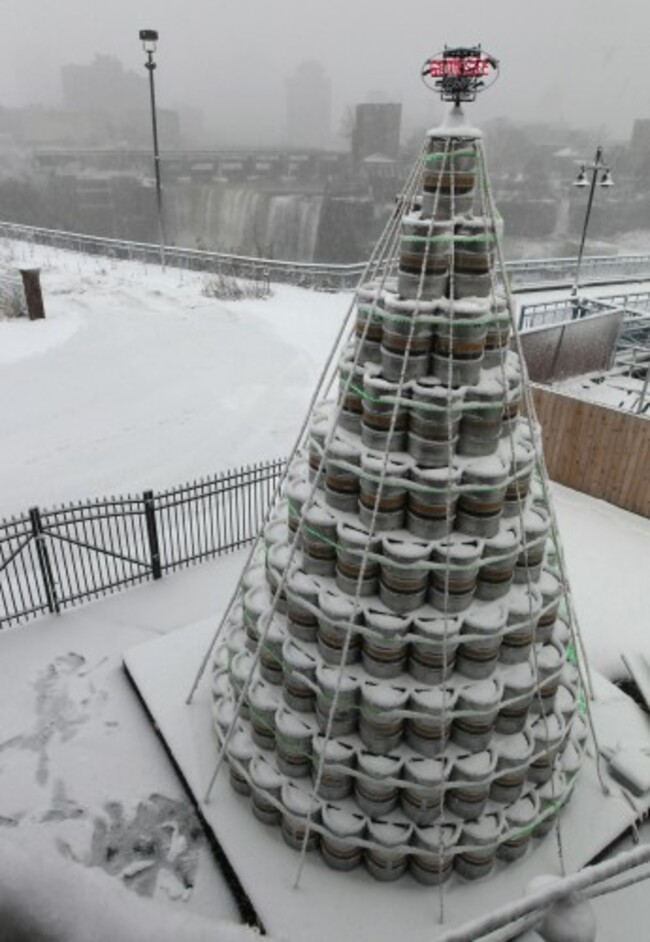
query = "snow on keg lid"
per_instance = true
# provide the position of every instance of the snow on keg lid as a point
(253, 576)
(484, 693)
(522, 812)
(572, 759)
(485, 617)
(437, 476)
(264, 775)
(342, 447)
(437, 836)
(303, 584)
(486, 468)
(484, 830)
(386, 622)
(518, 678)
(549, 659)
(276, 531)
(565, 701)
(389, 833)
(296, 800)
(524, 601)
(276, 630)
(537, 521)
(298, 491)
(295, 657)
(318, 516)
(475, 766)
(404, 549)
(458, 548)
(550, 584)
(263, 696)
(335, 605)
(515, 748)
(408, 307)
(241, 747)
(440, 627)
(223, 712)
(433, 699)
(547, 730)
(395, 466)
(242, 666)
(343, 823)
(288, 723)
(424, 771)
(383, 696)
(431, 388)
(554, 790)
(328, 678)
(505, 539)
(379, 767)
(278, 555)
(335, 751)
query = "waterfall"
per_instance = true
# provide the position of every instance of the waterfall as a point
(245, 221)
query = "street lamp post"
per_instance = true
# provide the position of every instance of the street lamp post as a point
(149, 39)
(596, 168)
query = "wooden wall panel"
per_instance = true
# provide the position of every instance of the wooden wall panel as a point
(595, 449)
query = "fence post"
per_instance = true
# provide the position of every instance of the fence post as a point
(33, 294)
(152, 534)
(44, 560)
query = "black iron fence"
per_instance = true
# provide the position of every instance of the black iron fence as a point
(53, 559)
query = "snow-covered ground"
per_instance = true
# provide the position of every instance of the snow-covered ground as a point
(135, 380)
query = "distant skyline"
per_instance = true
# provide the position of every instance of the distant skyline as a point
(565, 60)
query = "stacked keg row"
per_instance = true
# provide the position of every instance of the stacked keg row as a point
(398, 676)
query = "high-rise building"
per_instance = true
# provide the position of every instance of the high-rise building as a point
(309, 106)
(376, 130)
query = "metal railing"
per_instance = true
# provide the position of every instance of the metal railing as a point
(53, 559)
(523, 274)
(636, 305)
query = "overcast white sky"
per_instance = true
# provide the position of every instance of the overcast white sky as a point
(580, 60)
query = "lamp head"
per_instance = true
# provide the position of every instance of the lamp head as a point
(581, 179)
(149, 38)
(606, 179)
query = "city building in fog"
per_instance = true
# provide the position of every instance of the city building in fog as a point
(309, 106)
(104, 85)
(376, 130)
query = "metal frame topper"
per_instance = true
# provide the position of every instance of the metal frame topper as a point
(460, 73)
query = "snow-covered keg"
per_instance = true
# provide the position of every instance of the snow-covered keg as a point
(298, 805)
(383, 495)
(387, 858)
(302, 603)
(550, 661)
(404, 573)
(425, 251)
(522, 464)
(433, 653)
(356, 570)
(293, 744)
(298, 492)
(449, 177)
(273, 632)
(537, 525)
(480, 427)
(266, 788)
(338, 758)
(478, 846)
(483, 491)
(368, 326)
(298, 677)
(476, 712)
(406, 340)
(428, 726)
(524, 606)
(480, 640)
(319, 542)
(376, 787)
(519, 819)
(551, 588)
(338, 640)
(497, 564)
(342, 462)
(339, 845)
(432, 506)
(469, 784)
(280, 559)
(263, 707)
(385, 418)
(381, 722)
(384, 649)
(334, 682)
(548, 735)
(497, 338)
(474, 243)
(456, 562)
(433, 861)
(552, 796)
(513, 756)
(421, 798)
(518, 693)
(240, 751)
(351, 371)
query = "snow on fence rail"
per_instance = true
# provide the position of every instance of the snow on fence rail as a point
(52, 559)
(528, 273)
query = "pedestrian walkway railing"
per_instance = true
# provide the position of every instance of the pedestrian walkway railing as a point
(523, 274)
(53, 559)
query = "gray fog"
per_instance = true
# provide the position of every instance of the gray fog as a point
(579, 61)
